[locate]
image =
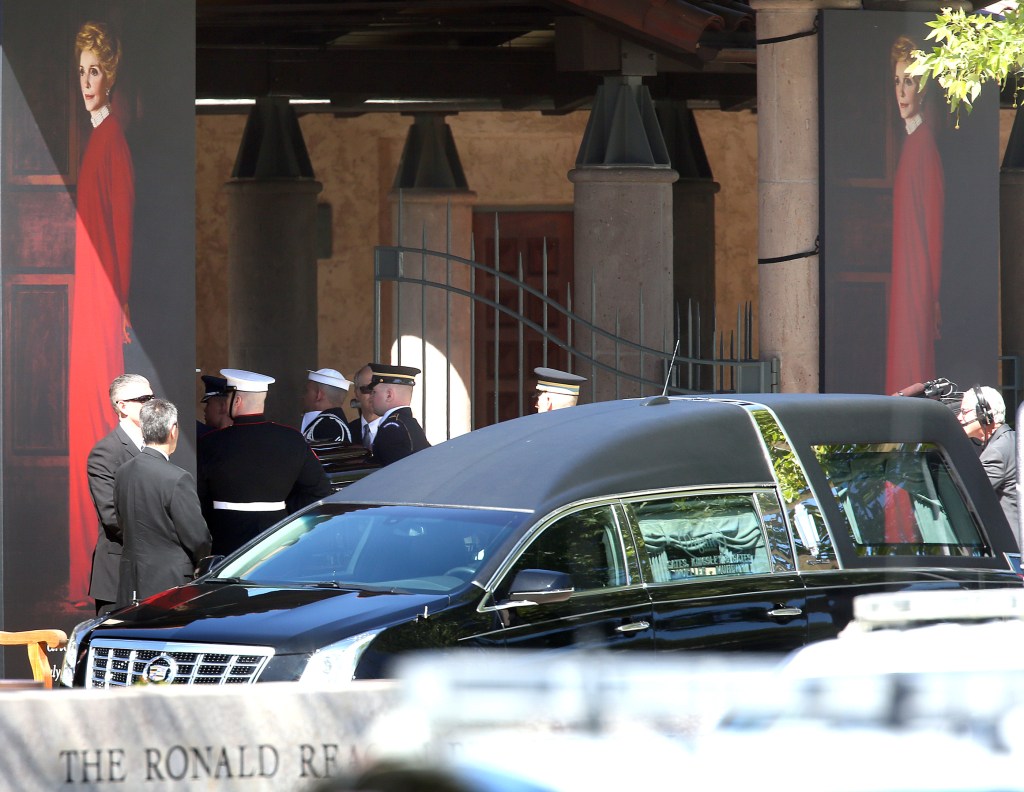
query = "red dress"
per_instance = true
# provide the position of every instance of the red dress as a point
(103, 261)
(918, 202)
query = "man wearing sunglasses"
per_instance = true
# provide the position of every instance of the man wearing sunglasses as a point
(364, 426)
(127, 395)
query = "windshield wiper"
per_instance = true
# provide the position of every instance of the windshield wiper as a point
(225, 580)
(363, 587)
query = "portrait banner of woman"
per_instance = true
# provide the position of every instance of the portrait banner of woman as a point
(918, 208)
(97, 206)
(908, 210)
(100, 316)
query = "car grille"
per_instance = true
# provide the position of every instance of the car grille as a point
(118, 663)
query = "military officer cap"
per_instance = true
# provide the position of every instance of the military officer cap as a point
(247, 381)
(329, 376)
(555, 381)
(214, 386)
(393, 375)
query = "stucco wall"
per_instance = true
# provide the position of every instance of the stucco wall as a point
(510, 159)
(730, 142)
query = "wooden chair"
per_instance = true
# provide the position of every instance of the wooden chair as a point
(37, 642)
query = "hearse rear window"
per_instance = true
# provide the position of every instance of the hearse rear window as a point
(703, 535)
(900, 499)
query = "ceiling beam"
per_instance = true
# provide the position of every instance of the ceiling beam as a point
(426, 74)
(246, 73)
(674, 27)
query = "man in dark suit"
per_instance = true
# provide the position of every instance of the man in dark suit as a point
(157, 507)
(254, 472)
(399, 434)
(127, 393)
(364, 426)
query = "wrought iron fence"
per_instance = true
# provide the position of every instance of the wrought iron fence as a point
(484, 293)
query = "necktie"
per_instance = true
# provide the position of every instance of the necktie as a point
(367, 440)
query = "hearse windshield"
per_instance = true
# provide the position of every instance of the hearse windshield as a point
(420, 549)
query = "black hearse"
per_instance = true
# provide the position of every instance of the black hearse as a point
(661, 524)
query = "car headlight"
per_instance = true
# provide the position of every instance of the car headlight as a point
(67, 670)
(336, 664)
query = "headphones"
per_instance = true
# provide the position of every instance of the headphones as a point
(984, 410)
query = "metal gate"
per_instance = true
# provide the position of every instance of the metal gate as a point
(425, 280)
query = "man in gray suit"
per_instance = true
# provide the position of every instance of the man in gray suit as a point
(127, 395)
(158, 511)
(982, 415)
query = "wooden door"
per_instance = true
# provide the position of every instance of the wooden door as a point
(523, 234)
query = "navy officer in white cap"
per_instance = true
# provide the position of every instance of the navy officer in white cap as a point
(324, 420)
(254, 472)
(556, 389)
(398, 433)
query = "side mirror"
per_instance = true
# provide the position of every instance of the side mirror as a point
(207, 565)
(539, 587)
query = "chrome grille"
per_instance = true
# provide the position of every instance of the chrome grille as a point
(119, 663)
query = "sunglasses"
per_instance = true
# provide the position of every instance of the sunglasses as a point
(140, 399)
(366, 388)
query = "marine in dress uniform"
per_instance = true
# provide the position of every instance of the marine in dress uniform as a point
(326, 390)
(557, 389)
(398, 433)
(255, 472)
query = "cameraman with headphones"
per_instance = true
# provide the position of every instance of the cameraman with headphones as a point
(982, 415)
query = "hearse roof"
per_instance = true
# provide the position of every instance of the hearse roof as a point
(539, 462)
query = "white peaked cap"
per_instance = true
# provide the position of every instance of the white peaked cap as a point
(246, 381)
(326, 376)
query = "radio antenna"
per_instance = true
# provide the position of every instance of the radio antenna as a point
(671, 365)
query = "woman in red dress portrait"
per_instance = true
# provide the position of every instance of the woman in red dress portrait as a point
(918, 203)
(100, 323)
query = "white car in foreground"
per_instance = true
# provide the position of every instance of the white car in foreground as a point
(909, 664)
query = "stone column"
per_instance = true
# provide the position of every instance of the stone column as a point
(272, 279)
(1011, 251)
(432, 209)
(787, 164)
(623, 240)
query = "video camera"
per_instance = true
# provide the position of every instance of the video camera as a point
(940, 389)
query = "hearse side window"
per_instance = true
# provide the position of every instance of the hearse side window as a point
(585, 544)
(780, 546)
(811, 539)
(702, 535)
(900, 499)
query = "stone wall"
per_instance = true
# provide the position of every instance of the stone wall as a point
(275, 737)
